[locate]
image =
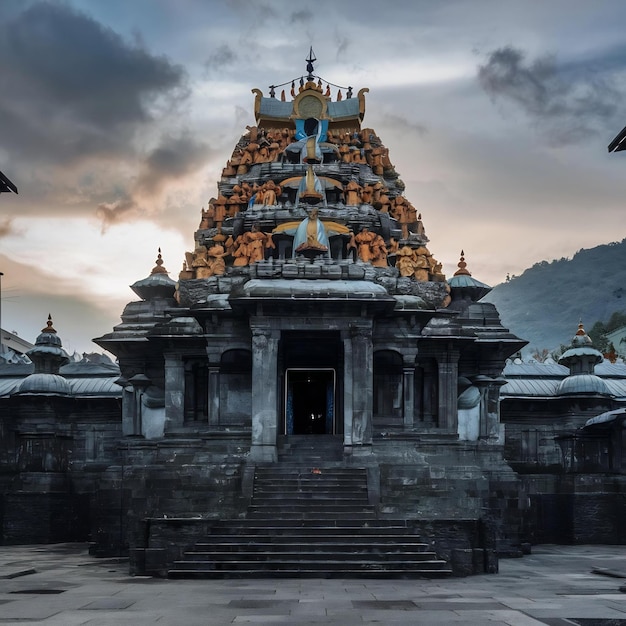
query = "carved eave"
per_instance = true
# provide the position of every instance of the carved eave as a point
(310, 102)
(361, 97)
(258, 96)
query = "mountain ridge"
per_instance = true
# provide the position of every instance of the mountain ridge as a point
(547, 301)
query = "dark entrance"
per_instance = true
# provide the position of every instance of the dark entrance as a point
(310, 402)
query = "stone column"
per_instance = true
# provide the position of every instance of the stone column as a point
(174, 391)
(347, 388)
(363, 384)
(493, 427)
(214, 396)
(408, 397)
(448, 370)
(483, 387)
(264, 394)
(408, 389)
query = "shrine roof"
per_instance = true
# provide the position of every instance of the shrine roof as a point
(274, 108)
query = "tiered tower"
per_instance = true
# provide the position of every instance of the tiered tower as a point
(311, 306)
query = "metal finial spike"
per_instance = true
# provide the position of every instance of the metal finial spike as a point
(309, 64)
(158, 268)
(49, 328)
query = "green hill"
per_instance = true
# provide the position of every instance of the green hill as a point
(545, 304)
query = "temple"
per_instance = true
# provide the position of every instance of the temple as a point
(312, 307)
(310, 395)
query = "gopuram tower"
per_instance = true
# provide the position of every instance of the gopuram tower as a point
(311, 308)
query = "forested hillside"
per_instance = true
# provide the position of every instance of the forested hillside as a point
(545, 303)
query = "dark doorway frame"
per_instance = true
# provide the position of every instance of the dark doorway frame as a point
(310, 401)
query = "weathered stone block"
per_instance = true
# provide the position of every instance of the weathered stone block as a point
(312, 271)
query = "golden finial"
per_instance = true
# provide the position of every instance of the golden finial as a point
(158, 268)
(49, 328)
(581, 329)
(462, 271)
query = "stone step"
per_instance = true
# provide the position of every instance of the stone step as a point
(408, 556)
(309, 515)
(313, 491)
(310, 520)
(338, 526)
(347, 572)
(326, 563)
(316, 501)
(324, 474)
(317, 543)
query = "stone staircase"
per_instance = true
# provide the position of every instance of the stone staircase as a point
(310, 519)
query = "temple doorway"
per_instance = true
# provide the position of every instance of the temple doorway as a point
(310, 401)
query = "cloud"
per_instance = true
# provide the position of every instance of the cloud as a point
(6, 227)
(173, 159)
(110, 213)
(222, 57)
(303, 16)
(398, 122)
(569, 103)
(73, 87)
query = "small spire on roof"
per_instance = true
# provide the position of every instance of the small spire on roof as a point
(581, 328)
(49, 328)
(309, 64)
(462, 271)
(158, 268)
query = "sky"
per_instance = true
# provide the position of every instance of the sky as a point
(117, 117)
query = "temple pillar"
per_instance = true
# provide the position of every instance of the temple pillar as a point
(408, 389)
(448, 374)
(490, 427)
(362, 384)
(264, 394)
(214, 396)
(174, 391)
(408, 397)
(347, 389)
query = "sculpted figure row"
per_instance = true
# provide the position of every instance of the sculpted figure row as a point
(419, 263)
(266, 145)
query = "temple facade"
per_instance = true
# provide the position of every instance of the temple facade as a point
(311, 393)
(312, 308)
(311, 303)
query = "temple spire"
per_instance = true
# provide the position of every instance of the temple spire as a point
(309, 64)
(462, 265)
(49, 328)
(158, 268)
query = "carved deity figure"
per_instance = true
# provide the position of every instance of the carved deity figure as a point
(216, 256)
(352, 193)
(365, 240)
(208, 218)
(271, 193)
(379, 252)
(310, 235)
(405, 261)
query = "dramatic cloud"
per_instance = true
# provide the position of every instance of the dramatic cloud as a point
(173, 159)
(70, 86)
(223, 57)
(568, 105)
(110, 213)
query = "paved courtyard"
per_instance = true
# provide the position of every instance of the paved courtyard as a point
(62, 585)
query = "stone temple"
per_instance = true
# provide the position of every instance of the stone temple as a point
(311, 329)
(311, 396)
